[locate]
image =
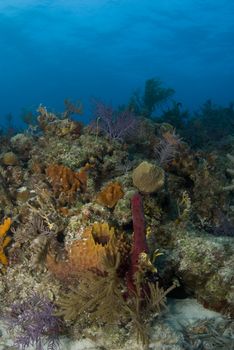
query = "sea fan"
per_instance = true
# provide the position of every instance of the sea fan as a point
(116, 125)
(32, 323)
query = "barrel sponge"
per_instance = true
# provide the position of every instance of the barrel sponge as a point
(148, 177)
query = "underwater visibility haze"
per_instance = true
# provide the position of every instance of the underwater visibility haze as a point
(116, 175)
(52, 50)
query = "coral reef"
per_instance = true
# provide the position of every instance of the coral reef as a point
(90, 301)
(63, 126)
(105, 224)
(201, 261)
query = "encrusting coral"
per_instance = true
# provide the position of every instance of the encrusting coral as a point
(110, 194)
(4, 240)
(65, 182)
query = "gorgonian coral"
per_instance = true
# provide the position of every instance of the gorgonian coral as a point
(32, 323)
(167, 148)
(115, 125)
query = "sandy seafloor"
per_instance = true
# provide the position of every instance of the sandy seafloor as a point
(166, 333)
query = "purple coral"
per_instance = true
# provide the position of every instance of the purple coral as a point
(116, 125)
(32, 322)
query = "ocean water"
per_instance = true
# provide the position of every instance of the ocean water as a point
(116, 174)
(107, 49)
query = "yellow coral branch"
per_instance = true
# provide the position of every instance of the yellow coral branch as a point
(4, 240)
(5, 227)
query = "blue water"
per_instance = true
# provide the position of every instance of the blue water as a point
(79, 49)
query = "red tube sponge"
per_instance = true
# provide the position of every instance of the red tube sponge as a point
(139, 238)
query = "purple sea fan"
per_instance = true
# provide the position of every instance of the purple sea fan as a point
(32, 323)
(116, 125)
(167, 148)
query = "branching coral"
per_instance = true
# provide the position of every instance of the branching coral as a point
(103, 300)
(72, 108)
(32, 323)
(141, 308)
(167, 148)
(4, 240)
(183, 207)
(62, 125)
(154, 96)
(97, 298)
